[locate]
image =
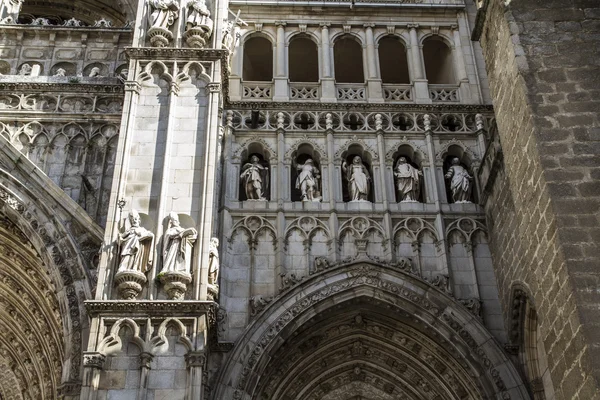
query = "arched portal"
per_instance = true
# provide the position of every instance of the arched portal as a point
(367, 331)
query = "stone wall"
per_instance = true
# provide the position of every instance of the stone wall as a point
(542, 63)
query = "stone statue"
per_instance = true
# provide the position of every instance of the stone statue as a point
(60, 72)
(25, 70)
(359, 181)
(254, 177)
(11, 11)
(460, 182)
(213, 261)
(164, 13)
(177, 246)
(95, 73)
(408, 181)
(198, 16)
(308, 181)
(135, 246)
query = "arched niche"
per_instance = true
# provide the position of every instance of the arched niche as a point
(256, 150)
(102, 68)
(348, 60)
(304, 152)
(88, 12)
(367, 160)
(257, 64)
(393, 61)
(4, 68)
(439, 64)
(415, 159)
(303, 59)
(69, 68)
(456, 151)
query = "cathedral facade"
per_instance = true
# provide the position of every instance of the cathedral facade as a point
(297, 200)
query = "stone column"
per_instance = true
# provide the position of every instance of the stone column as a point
(419, 80)
(374, 89)
(195, 362)
(93, 363)
(327, 79)
(281, 92)
(461, 71)
(145, 367)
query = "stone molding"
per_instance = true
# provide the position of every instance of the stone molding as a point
(153, 308)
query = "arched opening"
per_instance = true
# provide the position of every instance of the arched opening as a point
(258, 60)
(439, 66)
(255, 173)
(393, 63)
(348, 60)
(329, 338)
(303, 60)
(358, 175)
(409, 184)
(305, 174)
(58, 12)
(531, 353)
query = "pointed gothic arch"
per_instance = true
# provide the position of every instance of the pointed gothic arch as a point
(382, 327)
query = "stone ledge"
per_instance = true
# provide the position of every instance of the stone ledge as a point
(149, 307)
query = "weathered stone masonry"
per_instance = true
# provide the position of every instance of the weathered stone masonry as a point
(542, 62)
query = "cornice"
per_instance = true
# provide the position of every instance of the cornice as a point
(167, 53)
(153, 308)
(21, 87)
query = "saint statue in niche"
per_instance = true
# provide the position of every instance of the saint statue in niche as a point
(408, 181)
(164, 13)
(213, 261)
(460, 182)
(177, 246)
(135, 246)
(308, 181)
(198, 16)
(359, 180)
(254, 178)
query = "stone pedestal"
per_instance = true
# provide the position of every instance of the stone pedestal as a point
(130, 283)
(175, 284)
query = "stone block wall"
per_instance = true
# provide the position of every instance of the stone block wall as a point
(542, 208)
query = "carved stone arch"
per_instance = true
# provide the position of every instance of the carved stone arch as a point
(404, 39)
(351, 35)
(308, 226)
(156, 65)
(389, 156)
(72, 129)
(443, 152)
(31, 129)
(466, 227)
(196, 66)
(415, 226)
(254, 33)
(161, 335)
(363, 314)
(113, 340)
(448, 40)
(361, 226)
(253, 225)
(107, 130)
(307, 34)
(355, 140)
(239, 152)
(306, 140)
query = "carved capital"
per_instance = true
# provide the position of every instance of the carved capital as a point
(325, 25)
(195, 359)
(133, 86)
(94, 360)
(280, 23)
(214, 87)
(454, 27)
(412, 26)
(369, 25)
(146, 360)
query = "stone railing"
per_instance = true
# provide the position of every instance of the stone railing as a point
(396, 93)
(257, 90)
(304, 91)
(443, 93)
(350, 92)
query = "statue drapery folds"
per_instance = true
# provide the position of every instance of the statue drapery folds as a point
(359, 179)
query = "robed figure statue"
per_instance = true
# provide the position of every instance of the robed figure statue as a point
(135, 246)
(460, 182)
(308, 180)
(408, 181)
(255, 178)
(177, 246)
(164, 13)
(359, 180)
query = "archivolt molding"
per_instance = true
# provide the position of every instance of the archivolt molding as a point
(306, 140)
(355, 140)
(439, 156)
(389, 156)
(429, 310)
(254, 139)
